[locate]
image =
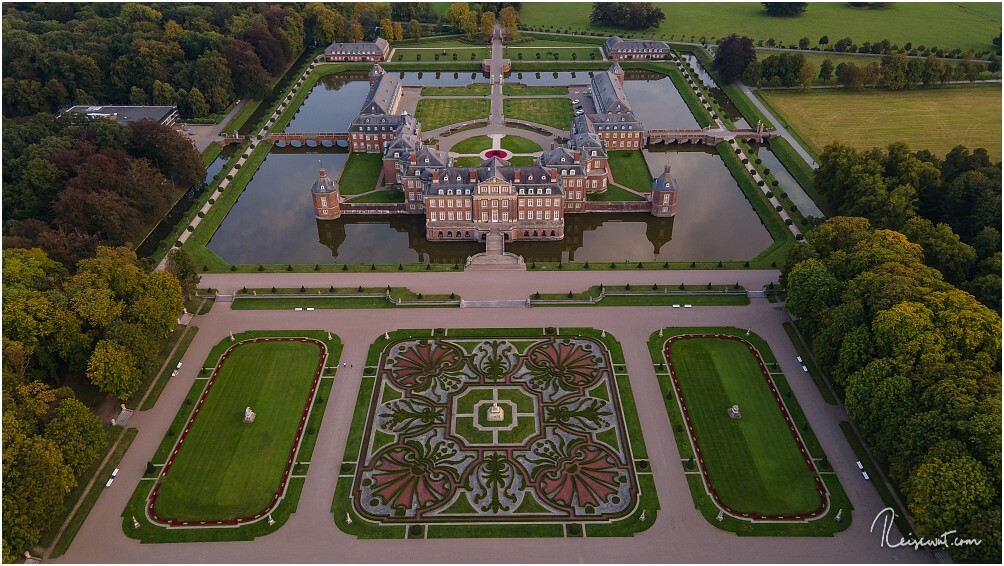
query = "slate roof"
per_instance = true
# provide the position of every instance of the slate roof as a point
(380, 98)
(324, 184)
(609, 94)
(617, 44)
(125, 114)
(378, 47)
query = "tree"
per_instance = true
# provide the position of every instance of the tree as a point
(487, 23)
(35, 481)
(398, 32)
(943, 250)
(811, 288)
(78, 433)
(196, 103)
(630, 15)
(803, 43)
(113, 370)
(249, 76)
(785, 9)
(415, 30)
(947, 491)
(469, 25)
(826, 71)
(168, 150)
(182, 267)
(455, 14)
(805, 75)
(509, 20)
(733, 55)
(387, 29)
(824, 40)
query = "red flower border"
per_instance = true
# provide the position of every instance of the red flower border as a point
(820, 488)
(152, 500)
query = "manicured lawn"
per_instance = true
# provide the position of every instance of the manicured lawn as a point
(476, 144)
(754, 462)
(613, 194)
(523, 90)
(380, 196)
(948, 25)
(434, 113)
(227, 468)
(445, 54)
(629, 169)
(477, 89)
(554, 112)
(523, 161)
(467, 161)
(517, 144)
(360, 173)
(564, 53)
(937, 119)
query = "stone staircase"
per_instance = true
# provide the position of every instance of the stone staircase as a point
(499, 304)
(495, 258)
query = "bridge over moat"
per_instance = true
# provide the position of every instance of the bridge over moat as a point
(708, 136)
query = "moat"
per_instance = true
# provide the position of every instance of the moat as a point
(273, 222)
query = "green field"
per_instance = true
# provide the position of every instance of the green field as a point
(477, 89)
(524, 90)
(445, 53)
(380, 197)
(937, 119)
(360, 173)
(227, 468)
(630, 170)
(564, 53)
(753, 462)
(476, 144)
(435, 113)
(554, 112)
(613, 193)
(968, 25)
(518, 144)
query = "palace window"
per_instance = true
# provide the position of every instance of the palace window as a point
(324, 202)
(547, 215)
(521, 215)
(468, 214)
(538, 215)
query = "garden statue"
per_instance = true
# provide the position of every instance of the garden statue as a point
(249, 415)
(734, 412)
(495, 413)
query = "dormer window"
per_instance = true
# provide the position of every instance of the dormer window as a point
(397, 154)
(562, 159)
(594, 153)
(440, 191)
(547, 192)
(458, 178)
(427, 159)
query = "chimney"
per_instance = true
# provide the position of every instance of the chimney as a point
(412, 158)
(577, 154)
(437, 147)
(554, 175)
(474, 175)
(435, 176)
(667, 168)
(323, 174)
(515, 175)
(552, 145)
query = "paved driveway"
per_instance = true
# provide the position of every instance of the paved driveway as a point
(680, 533)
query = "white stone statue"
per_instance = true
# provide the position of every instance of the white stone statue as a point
(348, 520)
(495, 413)
(249, 415)
(734, 412)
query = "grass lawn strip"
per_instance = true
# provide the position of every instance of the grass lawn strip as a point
(475, 145)
(778, 480)
(435, 113)
(380, 196)
(554, 112)
(360, 173)
(519, 144)
(630, 170)
(524, 90)
(921, 118)
(477, 89)
(229, 470)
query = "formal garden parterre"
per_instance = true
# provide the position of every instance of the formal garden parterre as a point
(222, 478)
(756, 472)
(558, 456)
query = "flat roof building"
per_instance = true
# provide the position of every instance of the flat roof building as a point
(166, 115)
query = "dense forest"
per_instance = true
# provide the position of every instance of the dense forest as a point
(950, 207)
(919, 361)
(103, 321)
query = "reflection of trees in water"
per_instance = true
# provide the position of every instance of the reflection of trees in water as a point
(338, 80)
(332, 233)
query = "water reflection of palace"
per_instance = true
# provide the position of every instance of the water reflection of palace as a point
(334, 233)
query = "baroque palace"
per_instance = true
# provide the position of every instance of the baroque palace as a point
(520, 203)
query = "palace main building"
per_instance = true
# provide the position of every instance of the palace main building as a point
(520, 203)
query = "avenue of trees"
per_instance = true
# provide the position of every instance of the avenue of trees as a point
(919, 362)
(950, 207)
(72, 183)
(782, 69)
(477, 23)
(627, 15)
(200, 57)
(102, 321)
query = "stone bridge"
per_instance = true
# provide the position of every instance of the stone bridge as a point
(709, 135)
(296, 139)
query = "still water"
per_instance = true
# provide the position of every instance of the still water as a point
(336, 99)
(273, 222)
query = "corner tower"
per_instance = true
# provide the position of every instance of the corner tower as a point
(325, 196)
(664, 193)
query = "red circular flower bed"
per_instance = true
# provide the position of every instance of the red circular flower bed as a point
(500, 153)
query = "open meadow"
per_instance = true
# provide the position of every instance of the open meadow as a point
(937, 119)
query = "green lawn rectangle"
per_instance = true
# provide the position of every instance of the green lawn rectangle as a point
(630, 170)
(435, 113)
(524, 90)
(445, 53)
(227, 468)
(476, 89)
(753, 462)
(554, 112)
(360, 173)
